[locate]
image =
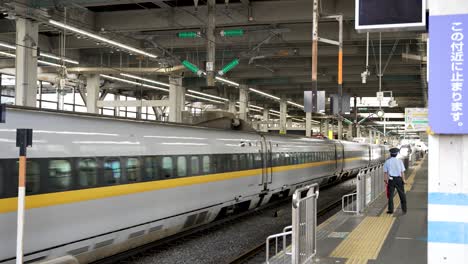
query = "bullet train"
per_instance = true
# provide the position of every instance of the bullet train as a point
(97, 185)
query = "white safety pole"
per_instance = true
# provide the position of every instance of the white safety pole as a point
(20, 222)
(23, 140)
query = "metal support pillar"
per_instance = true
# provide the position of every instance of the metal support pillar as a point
(266, 118)
(92, 93)
(138, 112)
(211, 43)
(176, 99)
(371, 136)
(308, 127)
(358, 130)
(283, 116)
(243, 102)
(26, 62)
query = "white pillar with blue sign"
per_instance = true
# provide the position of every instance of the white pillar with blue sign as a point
(448, 119)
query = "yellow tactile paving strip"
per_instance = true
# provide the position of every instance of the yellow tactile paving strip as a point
(366, 240)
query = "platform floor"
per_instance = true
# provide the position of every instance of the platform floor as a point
(376, 237)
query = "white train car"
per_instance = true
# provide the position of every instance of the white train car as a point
(97, 186)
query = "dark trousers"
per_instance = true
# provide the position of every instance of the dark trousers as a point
(397, 183)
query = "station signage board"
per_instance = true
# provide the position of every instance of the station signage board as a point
(448, 74)
(416, 119)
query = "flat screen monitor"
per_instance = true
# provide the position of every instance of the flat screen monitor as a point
(390, 15)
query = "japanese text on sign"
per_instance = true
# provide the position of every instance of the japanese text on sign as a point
(457, 80)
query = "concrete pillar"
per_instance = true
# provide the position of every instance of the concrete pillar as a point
(176, 99)
(371, 136)
(283, 116)
(210, 43)
(243, 102)
(358, 131)
(350, 131)
(26, 62)
(116, 109)
(138, 112)
(92, 93)
(324, 127)
(232, 106)
(340, 129)
(266, 118)
(308, 127)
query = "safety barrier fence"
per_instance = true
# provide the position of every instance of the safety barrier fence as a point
(369, 185)
(302, 231)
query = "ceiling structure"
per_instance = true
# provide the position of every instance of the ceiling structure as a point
(274, 51)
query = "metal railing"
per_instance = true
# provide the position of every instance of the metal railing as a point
(302, 231)
(348, 203)
(280, 239)
(369, 185)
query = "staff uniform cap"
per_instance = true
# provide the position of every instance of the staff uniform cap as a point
(394, 150)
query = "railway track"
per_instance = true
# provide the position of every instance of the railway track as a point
(160, 245)
(260, 248)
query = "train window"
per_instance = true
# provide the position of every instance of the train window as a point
(250, 160)
(181, 166)
(167, 167)
(151, 168)
(59, 175)
(112, 171)
(258, 160)
(206, 164)
(242, 162)
(195, 165)
(133, 170)
(87, 172)
(234, 162)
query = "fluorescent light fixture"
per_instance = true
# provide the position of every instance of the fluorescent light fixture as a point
(390, 122)
(38, 61)
(50, 64)
(47, 55)
(257, 107)
(134, 83)
(387, 115)
(298, 120)
(264, 94)
(255, 110)
(208, 95)
(273, 114)
(203, 98)
(7, 54)
(274, 111)
(102, 39)
(227, 81)
(295, 104)
(144, 79)
(155, 87)
(8, 46)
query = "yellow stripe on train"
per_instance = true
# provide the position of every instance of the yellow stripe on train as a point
(50, 199)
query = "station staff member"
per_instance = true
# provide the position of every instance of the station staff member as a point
(394, 173)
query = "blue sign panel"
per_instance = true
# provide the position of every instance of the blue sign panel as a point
(448, 74)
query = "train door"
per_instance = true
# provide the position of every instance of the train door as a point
(339, 155)
(266, 163)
